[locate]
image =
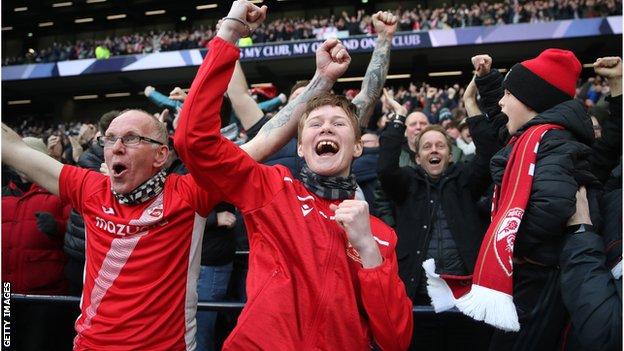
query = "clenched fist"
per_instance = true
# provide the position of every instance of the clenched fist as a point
(353, 216)
(482, 64)
(385, 23)
(332, 59)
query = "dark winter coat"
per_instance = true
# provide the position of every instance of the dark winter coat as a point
(591, 294)
(365, 170)
(561, 160)
(74, 244)
(608, 149)
(560, 168)
(460, 186)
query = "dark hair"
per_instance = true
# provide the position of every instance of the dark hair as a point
(106, 120)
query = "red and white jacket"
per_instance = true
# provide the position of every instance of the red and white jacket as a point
(306, 288)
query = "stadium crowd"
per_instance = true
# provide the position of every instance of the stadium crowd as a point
(501, 198)
(286, 29)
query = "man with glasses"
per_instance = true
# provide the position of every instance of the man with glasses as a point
(141, 263)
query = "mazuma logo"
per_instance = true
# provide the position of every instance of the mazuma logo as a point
(122, 229)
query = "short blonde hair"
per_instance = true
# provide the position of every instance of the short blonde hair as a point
(330, 99)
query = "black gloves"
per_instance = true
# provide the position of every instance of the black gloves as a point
(46, 223)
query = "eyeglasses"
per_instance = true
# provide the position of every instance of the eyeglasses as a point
(126, 140)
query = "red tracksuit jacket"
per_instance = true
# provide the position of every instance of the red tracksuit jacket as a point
(306, 289)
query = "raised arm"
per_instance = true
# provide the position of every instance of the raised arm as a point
(385, 25)
(608, 149)
(394, 180)
(214, 161)
(244, 106)
(470, 99)
(332, 61)
(489, 83)
(39, 167)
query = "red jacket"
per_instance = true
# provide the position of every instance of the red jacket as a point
(306, 289)
(32, 261)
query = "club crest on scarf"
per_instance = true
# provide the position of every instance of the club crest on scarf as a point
(505, 238)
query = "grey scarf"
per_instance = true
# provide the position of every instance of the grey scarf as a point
(330, 188)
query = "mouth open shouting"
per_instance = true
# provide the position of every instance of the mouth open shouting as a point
(327, 148)
(328, 142)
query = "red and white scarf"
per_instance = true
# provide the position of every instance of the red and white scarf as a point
(487, 295)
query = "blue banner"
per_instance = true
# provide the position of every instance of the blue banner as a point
(358, 44)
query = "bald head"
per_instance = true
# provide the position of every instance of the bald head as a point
(155, 129)
(414, 124)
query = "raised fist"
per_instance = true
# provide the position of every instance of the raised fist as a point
(609, 67)
(385, 23)
(177, 94)
(148, 90)
(248, 13)
(482, 64)
(332, 59)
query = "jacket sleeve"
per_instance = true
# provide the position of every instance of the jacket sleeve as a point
(162, 101)
(386, 303)
(270, 105)
(608, 149)
(484, 133)
(382, 207)
(591, 294)
(90, 159)
(212, 160)
(394, 180)
(491, 90)
(553, 193)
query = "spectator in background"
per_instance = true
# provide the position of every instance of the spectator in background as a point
(464, 141)
(33, 224)
(284, 29)
(102, 52)
(162, 100)
(414, 124)
(436, 213)
(365, 169)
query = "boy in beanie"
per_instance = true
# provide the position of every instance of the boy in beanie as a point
(515, 284)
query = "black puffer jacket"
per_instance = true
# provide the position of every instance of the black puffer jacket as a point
(562, 159)
(459, 188)
(74, 242)
(592, 295)
(608, 149)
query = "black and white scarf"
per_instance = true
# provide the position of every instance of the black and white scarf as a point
(331, 188)
(148, 190)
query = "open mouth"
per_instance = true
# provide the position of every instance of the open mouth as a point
(326, 148)
(118, 169)
(435, 160)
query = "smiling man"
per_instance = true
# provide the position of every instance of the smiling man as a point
(436, 213)
(322, 271)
